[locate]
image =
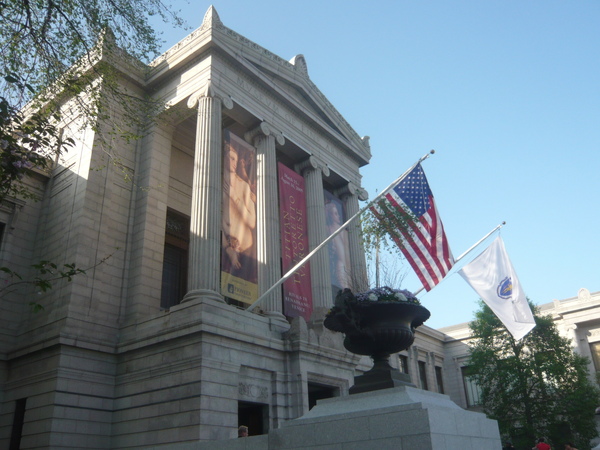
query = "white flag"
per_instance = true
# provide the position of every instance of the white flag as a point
(493, 277)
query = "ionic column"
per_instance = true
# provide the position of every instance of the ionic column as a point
(350, 195)
(205, 220)
(317, 231)
(264, 138)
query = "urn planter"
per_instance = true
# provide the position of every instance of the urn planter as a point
(376, 329)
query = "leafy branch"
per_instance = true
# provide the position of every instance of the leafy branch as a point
(46, 274)
(383, 226)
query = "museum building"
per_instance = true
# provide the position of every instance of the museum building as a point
(246, 170)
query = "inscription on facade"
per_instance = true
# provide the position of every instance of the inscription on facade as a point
(253, 391)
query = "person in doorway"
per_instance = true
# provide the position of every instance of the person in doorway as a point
(243, 431)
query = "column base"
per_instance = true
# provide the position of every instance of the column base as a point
(200, 294)
(278, 321)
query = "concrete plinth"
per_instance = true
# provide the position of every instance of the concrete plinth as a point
(400, 418)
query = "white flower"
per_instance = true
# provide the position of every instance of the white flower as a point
(373, 297)
(400, 296)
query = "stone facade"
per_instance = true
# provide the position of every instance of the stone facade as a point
(104, 365)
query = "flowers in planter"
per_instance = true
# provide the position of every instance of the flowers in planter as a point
(387, 294)
(348, 315)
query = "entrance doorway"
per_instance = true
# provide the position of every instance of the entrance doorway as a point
(255, 416)
(319, 392)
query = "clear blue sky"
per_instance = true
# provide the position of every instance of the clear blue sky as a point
(506, 92)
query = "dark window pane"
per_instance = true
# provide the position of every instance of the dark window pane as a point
(18, 421)
(171, 279)
(175, 262)
(439, 379)
(403, 359)
(423, 374)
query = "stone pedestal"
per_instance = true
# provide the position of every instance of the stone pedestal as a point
(397, 418)
(381, 376)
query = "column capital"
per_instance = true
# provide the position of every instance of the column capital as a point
(313, 163)
(348, 189)
(571, 327)
(209, 90)
(363, 195)
(264, 129)
(351, 189)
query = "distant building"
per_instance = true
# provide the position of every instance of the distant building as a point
(247, 169)
(576, 318)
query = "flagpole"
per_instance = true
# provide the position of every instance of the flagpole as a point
(479, 242)
(471, 249)
(303, 261)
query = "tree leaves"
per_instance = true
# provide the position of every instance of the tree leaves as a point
(531, 386)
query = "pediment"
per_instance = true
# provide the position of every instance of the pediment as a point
(286, 81)
(302, 97)
(290, 80)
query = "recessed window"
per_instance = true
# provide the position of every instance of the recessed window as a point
(595, 348)
(423, 375)
(472, 389)
(175, 261)
(403, 362)
(439, 379)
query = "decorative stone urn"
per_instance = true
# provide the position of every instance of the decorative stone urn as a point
(377, 328)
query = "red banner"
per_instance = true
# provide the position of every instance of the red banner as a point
(297, 294)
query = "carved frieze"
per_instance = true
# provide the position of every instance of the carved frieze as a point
(254, 392)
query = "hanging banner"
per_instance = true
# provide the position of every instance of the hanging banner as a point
(297, 294)
(239, 274)
(339, 248)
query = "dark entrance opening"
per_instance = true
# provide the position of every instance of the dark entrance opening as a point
(319, 392)
(255, 416)
(18, 421)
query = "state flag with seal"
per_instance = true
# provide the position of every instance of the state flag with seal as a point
(492, 276)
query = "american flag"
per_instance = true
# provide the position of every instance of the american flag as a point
(423, 242)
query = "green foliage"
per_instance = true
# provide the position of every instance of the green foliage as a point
(57, 50)
(382, 230)
(381, 243)
(26, 144)
(534, 387)
(46, 273)
(50, 51)
(40, 40)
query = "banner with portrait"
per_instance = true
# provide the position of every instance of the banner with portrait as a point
(239, 268)
(297, 293)
(339, 248)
